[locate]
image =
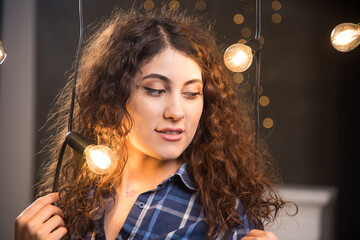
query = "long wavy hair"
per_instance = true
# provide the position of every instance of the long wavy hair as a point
(226, 160)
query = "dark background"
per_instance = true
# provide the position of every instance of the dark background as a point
(313, 92)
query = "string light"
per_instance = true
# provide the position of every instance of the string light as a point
(345, 37)
(99, 158)
(2, 53)
(238, 57)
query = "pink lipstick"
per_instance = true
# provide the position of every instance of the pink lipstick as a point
(170, 134)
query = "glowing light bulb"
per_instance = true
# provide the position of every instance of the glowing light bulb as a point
(345, 37)
(2, 53)
(238, 57)
(99, 158)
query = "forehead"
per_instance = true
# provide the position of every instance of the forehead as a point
(173, 64)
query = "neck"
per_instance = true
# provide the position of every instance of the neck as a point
(143, 173)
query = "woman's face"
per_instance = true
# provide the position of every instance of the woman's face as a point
(166, 105)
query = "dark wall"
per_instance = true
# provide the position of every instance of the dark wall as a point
(301, 73)
(312, 88)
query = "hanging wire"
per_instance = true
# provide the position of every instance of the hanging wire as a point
(71, 114)
(76, 67)
(258, 67)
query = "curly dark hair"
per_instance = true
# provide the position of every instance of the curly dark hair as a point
(225, 159)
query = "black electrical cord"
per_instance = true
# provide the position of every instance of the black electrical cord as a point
(71, 114)
(76, 66)
(258, 67)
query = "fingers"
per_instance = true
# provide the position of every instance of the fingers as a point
(45, 213)
(41, 220)
(40, 203)
(46, 231)
(260, 235)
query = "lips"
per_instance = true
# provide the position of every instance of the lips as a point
(170, 134)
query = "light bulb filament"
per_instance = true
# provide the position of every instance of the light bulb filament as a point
(100, 159)
(345, 37)
(239, 58)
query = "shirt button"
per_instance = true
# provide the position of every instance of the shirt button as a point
(141, 205)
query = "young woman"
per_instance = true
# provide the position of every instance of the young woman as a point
(153, 87)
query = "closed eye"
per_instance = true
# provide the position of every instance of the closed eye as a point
(192, 95)
(153, 91)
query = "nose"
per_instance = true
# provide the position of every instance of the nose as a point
(174, 109)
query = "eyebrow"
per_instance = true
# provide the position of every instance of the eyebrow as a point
(167, 80)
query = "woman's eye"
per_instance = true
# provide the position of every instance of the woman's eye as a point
(153, 91)
(192, 95)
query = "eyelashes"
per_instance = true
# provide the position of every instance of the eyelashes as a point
(158, 92)
(153, 91)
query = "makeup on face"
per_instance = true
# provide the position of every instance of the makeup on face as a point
(166, 105)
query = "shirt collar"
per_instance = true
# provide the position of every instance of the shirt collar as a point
(185, 177)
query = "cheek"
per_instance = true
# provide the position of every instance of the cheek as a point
(195, 111)
(144, 114)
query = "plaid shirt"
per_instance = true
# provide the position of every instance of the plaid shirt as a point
(172, 211)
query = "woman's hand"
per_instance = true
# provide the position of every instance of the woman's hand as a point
(41, 220)
(260, 235)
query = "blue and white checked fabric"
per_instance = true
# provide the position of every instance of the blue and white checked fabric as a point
(172, 211)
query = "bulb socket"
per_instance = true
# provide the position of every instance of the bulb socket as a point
(254, 44)
(77, 142)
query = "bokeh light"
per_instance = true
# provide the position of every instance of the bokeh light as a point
(246, 32)
(264, 101)
(268, 123)
(276, 5)
(149, 5)
(174, 5)
(276, 18)
(238, 18)
(200, 5)
(238, 77)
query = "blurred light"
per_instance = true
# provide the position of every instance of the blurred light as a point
(345, 37)
(264, 101)
(238, 18)
(276, 18)
(246, 32)
(174, 5)
(3, 53)
(248, 9)
(276, 5)
(238, 57)
(268, 123)
(200, 5)
(238, 77)
(242, 41)
(260, 90)
(148, 5)
(262, 40)
(99, 158)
